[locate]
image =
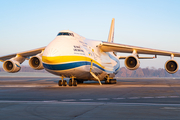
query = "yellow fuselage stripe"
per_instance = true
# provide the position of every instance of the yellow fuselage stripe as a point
(67, 59)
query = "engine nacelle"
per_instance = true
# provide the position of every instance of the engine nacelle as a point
(11, 66)
(171, 66)
(35, 62)
(131, 62)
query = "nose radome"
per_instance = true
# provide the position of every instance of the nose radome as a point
(57, 47)
(53, 49)
(50, 52)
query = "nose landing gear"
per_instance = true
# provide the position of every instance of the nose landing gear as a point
(62, 81)
(72, 82)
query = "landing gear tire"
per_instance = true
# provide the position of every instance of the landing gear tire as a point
(60, 82)
(111, 81)
(75, 83)
(70, 82)
(64, 83)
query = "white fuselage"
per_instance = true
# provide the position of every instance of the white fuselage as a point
(74, 56)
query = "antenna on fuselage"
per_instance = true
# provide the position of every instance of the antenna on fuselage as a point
(111, 32)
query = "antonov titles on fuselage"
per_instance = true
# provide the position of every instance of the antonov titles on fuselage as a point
(73, 56)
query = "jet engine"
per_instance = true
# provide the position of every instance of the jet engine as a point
(171, 66)
(132, 62)
(11, 66)
(35, 62)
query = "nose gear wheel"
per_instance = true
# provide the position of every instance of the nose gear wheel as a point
(72, 82)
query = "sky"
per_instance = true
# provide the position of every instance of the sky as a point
(30, 24)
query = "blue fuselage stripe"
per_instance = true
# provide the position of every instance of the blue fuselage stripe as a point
(64, 66)
(69, 65)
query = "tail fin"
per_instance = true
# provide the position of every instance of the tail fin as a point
(111, 32)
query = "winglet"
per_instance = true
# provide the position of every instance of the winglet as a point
(111, 32)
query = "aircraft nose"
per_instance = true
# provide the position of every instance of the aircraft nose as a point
(52, 51)
(50, 54)
(58, 48)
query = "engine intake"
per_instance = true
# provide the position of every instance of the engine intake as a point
(35, 62)
(11, 66)
(171, 66)
(132, 62)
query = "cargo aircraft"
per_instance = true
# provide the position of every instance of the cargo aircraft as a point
(72, 56)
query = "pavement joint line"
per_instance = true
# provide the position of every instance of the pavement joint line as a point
(161, 97)
(118, 98)
(50, 101)
(147, 97)
(130, 98)
(103, 103)
(85, 99)
(103, 99)
(171, 108)
(173, 96)
(134, 98)
(69, 100)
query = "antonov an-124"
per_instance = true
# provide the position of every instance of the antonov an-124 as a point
(72, 56)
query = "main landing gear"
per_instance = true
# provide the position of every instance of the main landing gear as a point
(72, 82)
(110, 80)
(64, 83)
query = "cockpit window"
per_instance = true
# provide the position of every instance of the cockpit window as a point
(65, 33)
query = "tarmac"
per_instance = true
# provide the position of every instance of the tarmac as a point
(40, 98)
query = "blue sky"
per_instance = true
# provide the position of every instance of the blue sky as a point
(29, 24)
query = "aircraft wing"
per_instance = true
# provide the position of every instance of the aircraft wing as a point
(113, 47)
(25, 54)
